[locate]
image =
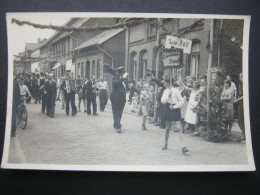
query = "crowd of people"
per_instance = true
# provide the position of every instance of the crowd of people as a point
(182, 102)
(185, 103)
(43, 88)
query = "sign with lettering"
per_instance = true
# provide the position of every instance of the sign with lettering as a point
(179, 43)
(172, 58)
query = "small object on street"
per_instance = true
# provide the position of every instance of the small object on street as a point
(184, 150)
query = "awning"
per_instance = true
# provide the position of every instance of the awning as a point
(56, 66)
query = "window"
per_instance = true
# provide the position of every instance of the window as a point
(98, 69)
(82, 70)
(78, 69)
(152, 30)
(88, 69)
(143, 64)
(193, 69)
(133, 65)
(94, 68)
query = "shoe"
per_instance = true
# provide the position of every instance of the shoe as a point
(164, 147)
(184, 150)
(156, 124)
(95, 114)
(13, 135)
(144, 127)
(195, 134)
(89, 114)
(52, 116)
(118, 130)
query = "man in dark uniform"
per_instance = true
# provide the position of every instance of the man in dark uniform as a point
(51, 89)
(118, 97)
(90, 93)
(43, 92)
(68, 87)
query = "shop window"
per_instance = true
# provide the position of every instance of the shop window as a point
(98, 69)
(94, 68)
(194, 59)
(143, 64)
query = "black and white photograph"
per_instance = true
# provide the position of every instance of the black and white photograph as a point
(128, 92)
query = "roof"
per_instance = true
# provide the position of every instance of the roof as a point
(31, 46)
(79, 22)
(100, 38)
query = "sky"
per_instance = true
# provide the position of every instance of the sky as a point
(19, 35)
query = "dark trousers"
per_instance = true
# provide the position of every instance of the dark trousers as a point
(50, 106)
(70, 99)
(117, 109)
(13, 127)
(44, 102)
(37, 96)
(91, 100)
(103, 98)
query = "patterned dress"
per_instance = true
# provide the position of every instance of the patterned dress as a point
(228, 104)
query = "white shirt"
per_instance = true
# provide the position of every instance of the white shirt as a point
(175, 97)
(24, 89)
(102, 85)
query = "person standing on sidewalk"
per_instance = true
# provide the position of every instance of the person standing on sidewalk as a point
(103, 94)
(118, 97)
(91, 95)
(16, 102)
(68, 87)
(240, 113)
(51, 89)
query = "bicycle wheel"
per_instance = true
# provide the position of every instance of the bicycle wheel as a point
(24, 118)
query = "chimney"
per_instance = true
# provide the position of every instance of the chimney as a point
(38, 40)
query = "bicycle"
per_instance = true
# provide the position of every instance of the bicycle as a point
(22, 115)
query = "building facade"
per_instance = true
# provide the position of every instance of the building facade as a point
(142, 46)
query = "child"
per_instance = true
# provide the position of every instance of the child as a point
(134, 103)
(145, 104)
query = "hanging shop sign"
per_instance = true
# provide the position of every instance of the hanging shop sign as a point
(180, 43)
(172, 58)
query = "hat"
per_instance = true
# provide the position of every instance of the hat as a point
(121, 69)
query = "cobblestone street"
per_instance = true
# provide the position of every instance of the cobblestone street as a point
(91, 140)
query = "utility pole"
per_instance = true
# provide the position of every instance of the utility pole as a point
(209, 76)
(157, 63)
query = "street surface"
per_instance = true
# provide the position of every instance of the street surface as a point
(91, 140)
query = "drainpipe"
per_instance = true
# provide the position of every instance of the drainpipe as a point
(101, 49)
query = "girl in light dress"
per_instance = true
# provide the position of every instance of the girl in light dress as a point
(145, 98)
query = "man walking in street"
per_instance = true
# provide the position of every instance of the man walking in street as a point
(103, 94)
(68, 87)
(43, 92)
(90, 94)
(118, 97)
(51, 89)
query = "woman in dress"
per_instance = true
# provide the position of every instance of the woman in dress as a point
(227, 99)
(191, 117)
